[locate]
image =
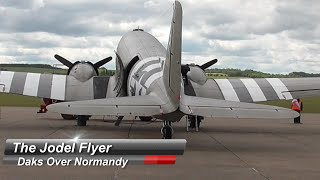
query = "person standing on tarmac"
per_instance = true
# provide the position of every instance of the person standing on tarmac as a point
(192, 119)
(298, 107)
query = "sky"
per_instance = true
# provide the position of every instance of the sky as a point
(272, 36)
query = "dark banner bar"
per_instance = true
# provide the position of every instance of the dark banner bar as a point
(94, 147)
(121, 161)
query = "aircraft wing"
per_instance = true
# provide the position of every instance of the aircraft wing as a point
(255, 90)
(147, 105)
(230, 109)
(53, 86)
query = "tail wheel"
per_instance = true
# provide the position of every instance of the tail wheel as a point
(167, 132)
(68, 116)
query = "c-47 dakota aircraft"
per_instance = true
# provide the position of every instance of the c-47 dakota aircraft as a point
(150, 81)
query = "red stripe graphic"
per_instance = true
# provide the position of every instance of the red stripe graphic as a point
(149, 160)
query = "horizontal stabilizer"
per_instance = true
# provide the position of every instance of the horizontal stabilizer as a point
(230, 109)
(120, 106)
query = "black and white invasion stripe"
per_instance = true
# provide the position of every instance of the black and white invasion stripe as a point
(143, 74)
(33, 84)
(53, 86)
(245, 89)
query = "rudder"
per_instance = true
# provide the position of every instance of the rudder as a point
(172, 68)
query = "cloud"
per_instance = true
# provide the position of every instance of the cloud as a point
(274, 36)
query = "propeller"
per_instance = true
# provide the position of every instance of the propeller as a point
(195, 72)
(64, 61)
(208, 64)
(69, 64)
(102, 62)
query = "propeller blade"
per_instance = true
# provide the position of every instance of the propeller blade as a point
(184, 69)
(63, 61)
(102, 62)
(208, 64)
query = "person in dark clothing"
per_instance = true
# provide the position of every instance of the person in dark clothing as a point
(297, 106)
(193, 121)
(199, 118)
(301, 109)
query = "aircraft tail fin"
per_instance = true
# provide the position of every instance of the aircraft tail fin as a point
(172, 68)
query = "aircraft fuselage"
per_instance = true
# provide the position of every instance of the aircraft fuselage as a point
(145, 75)
(148, 68)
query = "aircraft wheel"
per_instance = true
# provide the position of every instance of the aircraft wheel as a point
(167, 130)
(145, 118)
(68, 116)
(82, 120)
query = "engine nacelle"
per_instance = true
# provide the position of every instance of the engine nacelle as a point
(82, 71)
(197, 75)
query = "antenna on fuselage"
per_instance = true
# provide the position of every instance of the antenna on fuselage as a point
(138, 29)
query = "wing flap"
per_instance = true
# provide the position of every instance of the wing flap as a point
(134, 105)
(230, 109)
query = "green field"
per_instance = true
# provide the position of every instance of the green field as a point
(37, 70)
(18, 100)
(50, 70)
(310, 105)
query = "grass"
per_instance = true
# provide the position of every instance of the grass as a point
(310, 105)
(41, 70)
(216, 76)
(37, 70)
(19, 100)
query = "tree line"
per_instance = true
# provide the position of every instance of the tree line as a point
(6, 67)
(230, 72)
(257, 74)
(28, 65)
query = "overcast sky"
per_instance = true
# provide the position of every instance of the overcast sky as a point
(272, 35)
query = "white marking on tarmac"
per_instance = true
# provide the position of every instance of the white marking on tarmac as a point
(255, 170)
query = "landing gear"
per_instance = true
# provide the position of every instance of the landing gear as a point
(82, 120)
(167, 130)
(145, 118)
(68, 116)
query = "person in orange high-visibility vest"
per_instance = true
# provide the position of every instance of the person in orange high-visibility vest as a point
(298, 107)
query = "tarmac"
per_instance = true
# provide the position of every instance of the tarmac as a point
(222, 149)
